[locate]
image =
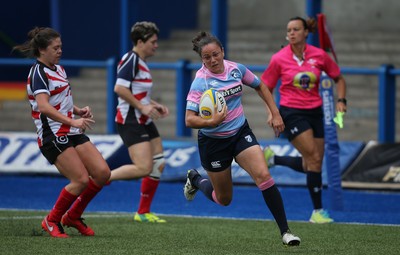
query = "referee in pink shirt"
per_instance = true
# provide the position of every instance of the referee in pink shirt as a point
(299, 66)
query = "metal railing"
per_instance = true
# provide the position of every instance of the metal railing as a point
(108, 64)
(387, 91)
(386, 86)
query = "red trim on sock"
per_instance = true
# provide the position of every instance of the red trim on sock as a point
(83, 200)
(147, 192)
(64, 201)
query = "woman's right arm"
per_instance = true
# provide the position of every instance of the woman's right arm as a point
(193, 119)
(47, 109)
(148, 109)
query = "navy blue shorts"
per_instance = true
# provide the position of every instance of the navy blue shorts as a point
(52, 149)
(136, 133)
(299, 120)
(216, 154)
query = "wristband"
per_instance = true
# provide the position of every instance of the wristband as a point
(342, 100)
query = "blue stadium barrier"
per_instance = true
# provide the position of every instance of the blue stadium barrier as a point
(19, 154)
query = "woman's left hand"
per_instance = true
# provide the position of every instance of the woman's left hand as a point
(277, 125)
(269, 120)
(341, 107)
(163, 110)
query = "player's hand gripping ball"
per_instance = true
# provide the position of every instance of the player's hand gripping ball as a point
(208, 100)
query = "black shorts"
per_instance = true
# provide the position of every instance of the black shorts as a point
(136, 133)
(216, 154)
(299, 120)
(52, 149)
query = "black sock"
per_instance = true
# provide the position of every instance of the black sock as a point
(296, 163)
(204, 186)
(273, 199)
(314, 184)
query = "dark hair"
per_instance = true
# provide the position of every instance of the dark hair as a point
(203, 38)
(310, 24)
(143, 31)
(38, 38)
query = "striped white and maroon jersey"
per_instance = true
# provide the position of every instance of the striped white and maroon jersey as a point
(54, 82)
(139, 81)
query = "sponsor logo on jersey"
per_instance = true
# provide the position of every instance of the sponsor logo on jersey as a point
(305, 80)
(312, 61)
(231, 91)
(213, 82)
(191, 104)
(235, 73)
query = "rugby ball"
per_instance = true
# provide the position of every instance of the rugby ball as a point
(208, 100)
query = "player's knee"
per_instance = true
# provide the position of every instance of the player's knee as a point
(145, 170)
(103, 175)
(103, 171)
(83, 181)
(224, 200)
(158, 166)
(315, 164)
(80, 183)
(261, 176)
(314, 161)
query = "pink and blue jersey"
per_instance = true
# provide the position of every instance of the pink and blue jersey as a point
(230, 84)
(299, 79)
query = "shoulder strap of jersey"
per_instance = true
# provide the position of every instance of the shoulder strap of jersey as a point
(38, 68)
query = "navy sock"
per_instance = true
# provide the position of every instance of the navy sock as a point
(296, 163)
(273, 199)
(204, 186)
(314, 184)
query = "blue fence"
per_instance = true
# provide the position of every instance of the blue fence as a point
(387, 92)
(386, 78)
